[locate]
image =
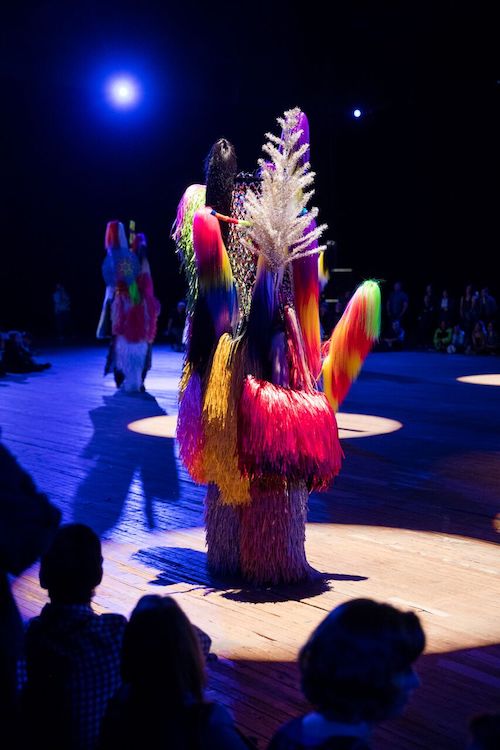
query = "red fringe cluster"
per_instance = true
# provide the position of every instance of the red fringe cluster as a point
(287, 433)
(136, 322)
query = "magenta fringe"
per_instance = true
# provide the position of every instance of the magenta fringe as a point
(273, 533)
(222, 525)
(300, 374)
(287, 433)
(152, 307)
(190, 433)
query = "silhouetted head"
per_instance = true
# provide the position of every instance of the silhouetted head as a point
(161, 656)
(357, 665)
(72, 567)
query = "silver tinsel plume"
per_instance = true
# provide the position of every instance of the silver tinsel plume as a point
(278, 215)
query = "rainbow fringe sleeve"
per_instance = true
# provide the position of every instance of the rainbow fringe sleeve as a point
(351, 341)
(306, 287)
(182, 234)
(215, 278)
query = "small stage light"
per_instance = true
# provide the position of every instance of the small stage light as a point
(123, 91)
(356, 113)
(489, 379)
(164, 427)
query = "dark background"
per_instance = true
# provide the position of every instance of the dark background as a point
(410, 191)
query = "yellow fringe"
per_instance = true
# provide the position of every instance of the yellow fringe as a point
(220, 420)
(186, 374)
(328, 385)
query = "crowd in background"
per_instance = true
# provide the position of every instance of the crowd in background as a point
(437, 321)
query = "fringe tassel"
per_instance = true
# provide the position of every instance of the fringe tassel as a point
(182, 234)
(260, 321)
(300, 374)
(216, 302)
(151, 305)
(131, 360)
(306, 289)
(222, 524)
(287, 433)
(220, 420)
(351, 342)
(187, 370)
(323, 273)
(272, 533)
(190, 427)
(136, 321)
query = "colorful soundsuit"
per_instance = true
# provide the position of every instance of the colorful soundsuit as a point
(258, 397)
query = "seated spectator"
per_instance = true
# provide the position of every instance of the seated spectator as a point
(397, 303)
(426, 319)
(492, 342)
(478, 339)
(469, 311)
(356, 669)
(442, 337)
(72, 653)
(457, 340)
(395, 338)
(28, 521)
(161, 703)
(445, 308)
(17, 356)
(485, 732)
(487, 305)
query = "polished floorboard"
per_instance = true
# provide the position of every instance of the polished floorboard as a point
(413, 519)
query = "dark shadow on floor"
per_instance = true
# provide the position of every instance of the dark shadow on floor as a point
(19, 378)
(121, 458)
(186, 565)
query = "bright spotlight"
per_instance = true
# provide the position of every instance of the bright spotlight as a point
(356, 113)
(123, 91)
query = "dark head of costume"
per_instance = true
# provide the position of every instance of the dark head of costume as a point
(220, 171)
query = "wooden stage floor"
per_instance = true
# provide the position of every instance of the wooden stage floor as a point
(411, 520)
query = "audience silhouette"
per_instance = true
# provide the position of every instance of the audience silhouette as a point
(72, 653)
(28, 521)
(161, 703)
(356, 669)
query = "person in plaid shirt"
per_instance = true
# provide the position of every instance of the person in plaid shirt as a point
(72, 653)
